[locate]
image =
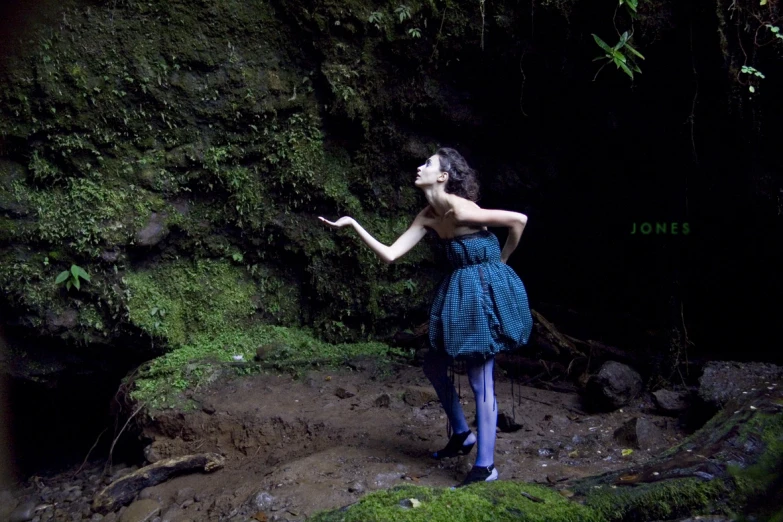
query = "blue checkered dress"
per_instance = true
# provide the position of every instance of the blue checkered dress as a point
(481, 307)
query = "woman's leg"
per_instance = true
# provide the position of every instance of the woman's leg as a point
(483, 384)
(436, 369)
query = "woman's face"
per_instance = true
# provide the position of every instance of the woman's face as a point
(428, 173)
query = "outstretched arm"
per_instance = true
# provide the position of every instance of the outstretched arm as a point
(468, 213)
(388, 254)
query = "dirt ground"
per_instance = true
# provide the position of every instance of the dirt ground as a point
(297, 446)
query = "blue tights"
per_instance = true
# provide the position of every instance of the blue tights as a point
(480, 376)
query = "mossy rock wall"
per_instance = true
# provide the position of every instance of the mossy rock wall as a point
(180, 153)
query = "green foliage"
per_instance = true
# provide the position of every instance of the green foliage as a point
(376, 18)
(751, 72)
(414, 32)
(72, 277)
(622, 54)
(632, 7)
(403, 12)
(42, 170)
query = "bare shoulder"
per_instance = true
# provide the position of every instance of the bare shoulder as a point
(459, 205)
(426, 216)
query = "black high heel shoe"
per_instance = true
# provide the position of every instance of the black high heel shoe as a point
(456, 446)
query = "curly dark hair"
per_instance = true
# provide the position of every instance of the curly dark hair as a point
(462, 179)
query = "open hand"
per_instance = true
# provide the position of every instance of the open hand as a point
(340, 223)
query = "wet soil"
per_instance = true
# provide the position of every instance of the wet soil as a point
(294, 447)
(297, 446)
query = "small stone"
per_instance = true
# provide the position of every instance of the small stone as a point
(153, 232)
(345, 393)
(188, 502)
(96, 517)
(23, 512)
(74, 495)
(671, 402)
(264, 500)
(357, 487)
(418, 396)
(383, 401)
(410, 503)
(185, 494)
(141, 511)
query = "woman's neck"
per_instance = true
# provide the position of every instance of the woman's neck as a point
(437, 198)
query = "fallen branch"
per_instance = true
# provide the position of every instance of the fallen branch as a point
(123, 490)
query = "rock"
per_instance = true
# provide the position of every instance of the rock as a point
(110, 256)
(65, 320)
(7, 504)
(418, 396)
(410, 503)
(383, 401)
(74, 494)
(173, 514)
(671, 402)
(23, 512)
(357, 487)
(640, 433)
(264, 501)
(185, 494)
(153, 232)
(346, 393)
(722, 381)
(141, 511)
(96, 517)
(506, 424)
(150, 454)
(614, 386)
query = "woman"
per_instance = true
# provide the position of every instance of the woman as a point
(480, 308)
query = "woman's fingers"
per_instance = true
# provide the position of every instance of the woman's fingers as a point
(328, 222)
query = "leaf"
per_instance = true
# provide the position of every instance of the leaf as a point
(634, 51)
(62, 276)
(752, 89)
(625, 68)
(76, 283)
(626, 452)
(763, 2)
(68, 285)
(80, 272)
(154, 310)
(603, 45)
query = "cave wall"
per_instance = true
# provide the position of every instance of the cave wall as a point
(179, 152)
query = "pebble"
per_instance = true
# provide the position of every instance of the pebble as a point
(23, 512)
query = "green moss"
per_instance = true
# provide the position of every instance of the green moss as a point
(496, 501)
(656, 501)
(86, 215)
(182, 300)
(203, 358)
(755, 481)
